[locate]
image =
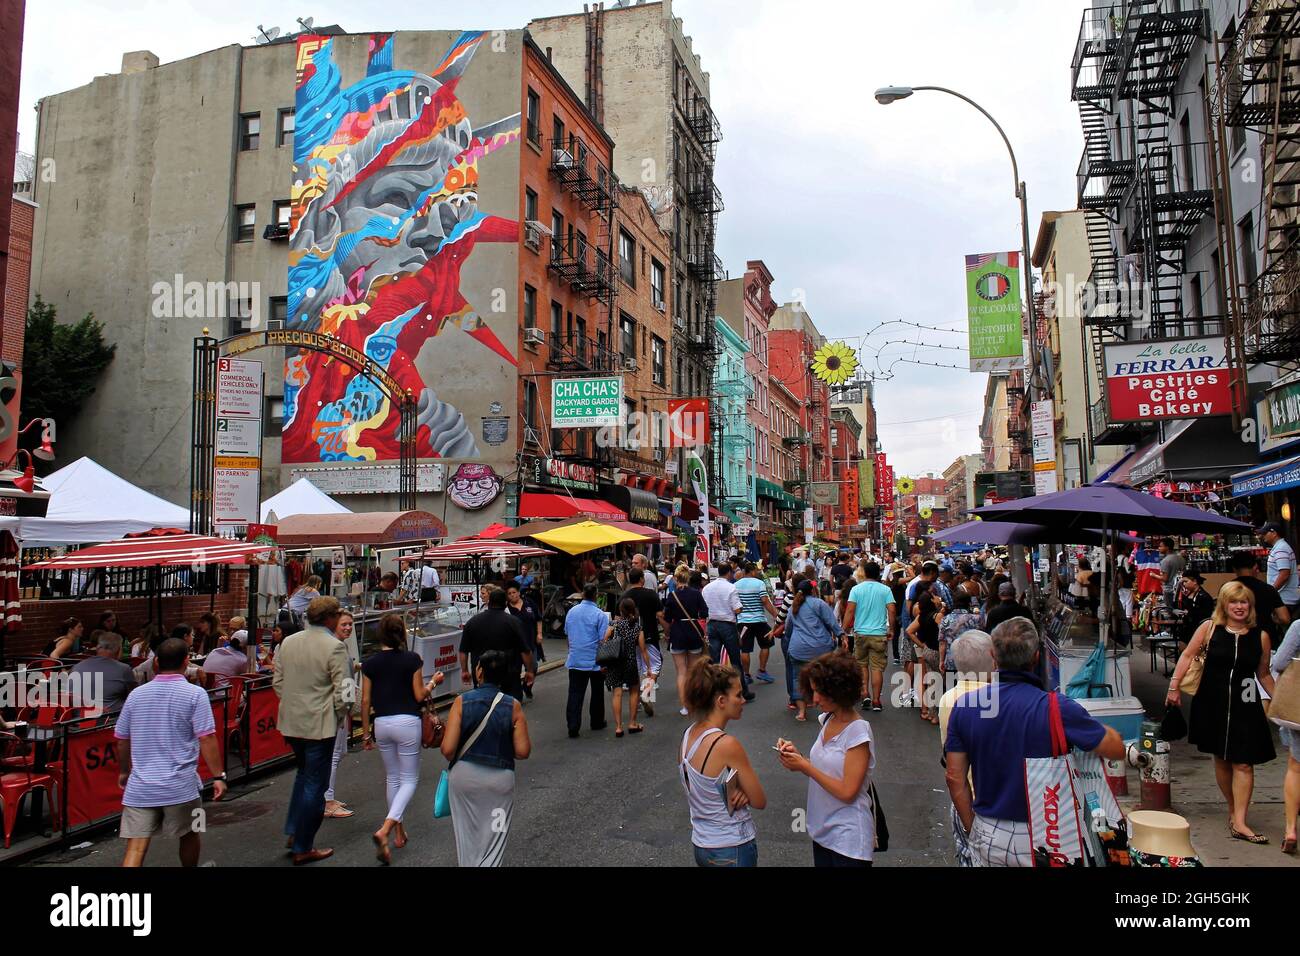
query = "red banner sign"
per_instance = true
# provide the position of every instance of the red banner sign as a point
(1169, 379)
(264, 741)
(688, 422)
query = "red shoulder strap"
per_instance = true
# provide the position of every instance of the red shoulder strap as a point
(1060, 747)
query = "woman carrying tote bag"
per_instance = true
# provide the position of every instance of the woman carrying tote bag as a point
(482, 777)
(1286, 692)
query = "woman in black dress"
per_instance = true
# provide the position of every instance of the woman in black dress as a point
(1227, 717)
(923, 631)
(623, 675)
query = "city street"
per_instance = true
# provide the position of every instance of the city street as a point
(594, 801)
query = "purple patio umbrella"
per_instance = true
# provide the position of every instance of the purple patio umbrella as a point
(1016, 532)
(1111, 506)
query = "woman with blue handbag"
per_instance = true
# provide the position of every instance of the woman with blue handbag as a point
(478, 787)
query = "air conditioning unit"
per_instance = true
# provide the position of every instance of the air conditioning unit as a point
(661, 305)
(534, 337)
(561, 157)
(697, 339)
(533, 233)
(629, 364)
(532, 437)
(680, 322)
(275, 323)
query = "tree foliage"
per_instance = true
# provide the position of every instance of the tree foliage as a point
(61, 363)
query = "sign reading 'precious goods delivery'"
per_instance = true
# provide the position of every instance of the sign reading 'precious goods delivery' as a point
(587, 402)
(1169, 379)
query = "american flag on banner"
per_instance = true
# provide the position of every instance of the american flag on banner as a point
(1009, 259)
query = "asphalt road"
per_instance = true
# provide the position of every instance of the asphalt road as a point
(593, 801)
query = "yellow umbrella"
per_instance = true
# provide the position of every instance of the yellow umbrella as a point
(587, 536)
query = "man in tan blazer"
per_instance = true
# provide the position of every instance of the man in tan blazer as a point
(315, 691)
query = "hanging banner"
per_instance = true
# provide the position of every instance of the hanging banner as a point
(824, 492)
(688, 422)
(1044, 425)
(809, 525)
(867, 477)
(1168, 379)
(697, 479)
(996, 330)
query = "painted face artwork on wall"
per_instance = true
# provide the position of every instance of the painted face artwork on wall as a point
(385, 209)
(474, 486)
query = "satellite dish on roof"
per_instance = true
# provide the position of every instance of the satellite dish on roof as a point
(306, 24)
(266, 35)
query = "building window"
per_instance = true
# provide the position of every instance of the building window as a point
(250, 131)
(657, 360)
(629, 434)
(283, 211)
(627, 329)
(534, 117)
(273, 417)
(677, 297)
(602, 349)
(241, 316)
(557, 323)
(530, 403)
(530, 205)
(557, 234)
(1248, 264)
(657, 283)
(245, 222)
(557, 132)
(284, 128)
(279, 312)
(530, 307)
(627, 257)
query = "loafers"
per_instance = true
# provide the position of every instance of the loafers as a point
(311, 856)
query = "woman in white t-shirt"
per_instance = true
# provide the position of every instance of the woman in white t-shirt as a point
(840, 815)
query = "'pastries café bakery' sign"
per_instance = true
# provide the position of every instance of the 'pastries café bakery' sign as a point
(1167, 380)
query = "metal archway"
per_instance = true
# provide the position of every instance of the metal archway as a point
(203, 423)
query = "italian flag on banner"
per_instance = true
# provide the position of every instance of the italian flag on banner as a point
(698, 477)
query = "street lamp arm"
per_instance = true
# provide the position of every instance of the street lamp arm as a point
(1015, 168)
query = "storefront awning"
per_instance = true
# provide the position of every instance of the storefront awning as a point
(775, 492)
(1196, 449)
(536, 504)
(1274, 476)
(1118, 472)
(639, 505)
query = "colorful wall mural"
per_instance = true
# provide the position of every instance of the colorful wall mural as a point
(386, 214)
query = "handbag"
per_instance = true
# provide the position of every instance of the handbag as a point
(700, 627)
(1284, 709)
(442, 798)
(610, 651)
(1055, 830)
(431, 728)
(1174, 725)
(878, 817)
(1191, 681)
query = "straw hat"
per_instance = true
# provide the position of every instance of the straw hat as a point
(1157, 833)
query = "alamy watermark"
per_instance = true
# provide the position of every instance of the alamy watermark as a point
(210, 301)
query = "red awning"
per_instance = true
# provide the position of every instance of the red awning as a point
(534, 504)
(158, 550)
(663, 536)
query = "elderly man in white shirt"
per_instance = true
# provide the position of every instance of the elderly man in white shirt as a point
(723, 601)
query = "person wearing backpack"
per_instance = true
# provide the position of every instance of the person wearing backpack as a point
(841, 812)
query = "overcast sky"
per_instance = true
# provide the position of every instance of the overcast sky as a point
(864, 211)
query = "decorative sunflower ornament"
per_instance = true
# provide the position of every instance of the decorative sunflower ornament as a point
(927, 514)
(905, 485)
(834, 363)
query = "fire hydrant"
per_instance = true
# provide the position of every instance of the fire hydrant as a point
(1150, 755)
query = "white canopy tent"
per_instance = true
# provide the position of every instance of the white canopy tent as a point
(89, 504)
(302, 498)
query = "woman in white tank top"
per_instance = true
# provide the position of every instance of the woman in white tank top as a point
(721, 835)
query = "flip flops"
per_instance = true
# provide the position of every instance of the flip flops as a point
(341, 812)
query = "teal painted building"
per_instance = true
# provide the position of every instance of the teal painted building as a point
(732, 431)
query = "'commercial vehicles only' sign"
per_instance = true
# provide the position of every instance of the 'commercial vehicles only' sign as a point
(587, 402)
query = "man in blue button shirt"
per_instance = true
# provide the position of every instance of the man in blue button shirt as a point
(585, 626)
(990, 735)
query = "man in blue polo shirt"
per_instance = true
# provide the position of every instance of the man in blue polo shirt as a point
(990, 735)
(869, 617)
(585, 626)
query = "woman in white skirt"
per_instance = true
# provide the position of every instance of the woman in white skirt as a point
(393, 685)
(486, 733)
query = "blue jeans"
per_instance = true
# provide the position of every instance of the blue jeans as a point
(793, 668)
(307, 803)
(723, 634)
(744, 855)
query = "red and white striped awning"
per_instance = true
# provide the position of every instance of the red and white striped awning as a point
(158, 548)
(478, 550)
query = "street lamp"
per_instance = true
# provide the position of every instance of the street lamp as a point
(890, 94)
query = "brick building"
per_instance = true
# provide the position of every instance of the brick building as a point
(792, 341)
(846, 453)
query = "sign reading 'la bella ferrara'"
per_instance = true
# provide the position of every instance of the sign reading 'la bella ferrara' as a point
(1169, 379)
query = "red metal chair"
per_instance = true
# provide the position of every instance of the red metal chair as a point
(15, 785)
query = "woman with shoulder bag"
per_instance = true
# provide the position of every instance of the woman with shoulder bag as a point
(623, 674)
(683, 614)
(481, 778)
(925, 632)
(814, 631)
(720, 783)
(1227, 717)
(392, 684)
(1286, 659)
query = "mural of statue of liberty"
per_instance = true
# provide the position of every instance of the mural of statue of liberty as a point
(385, 214)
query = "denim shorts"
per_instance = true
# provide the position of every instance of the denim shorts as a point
(744, 855)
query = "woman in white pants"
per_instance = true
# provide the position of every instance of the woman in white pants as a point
(393, 686)
(334, 807)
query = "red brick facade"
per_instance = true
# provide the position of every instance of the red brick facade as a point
(17, 281)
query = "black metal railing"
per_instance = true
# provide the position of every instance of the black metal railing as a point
(580, 172)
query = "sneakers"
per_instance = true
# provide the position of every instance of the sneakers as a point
(766, 678)
(876, 707)
(750, 696)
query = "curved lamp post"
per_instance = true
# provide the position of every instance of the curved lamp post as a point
(890, 94)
